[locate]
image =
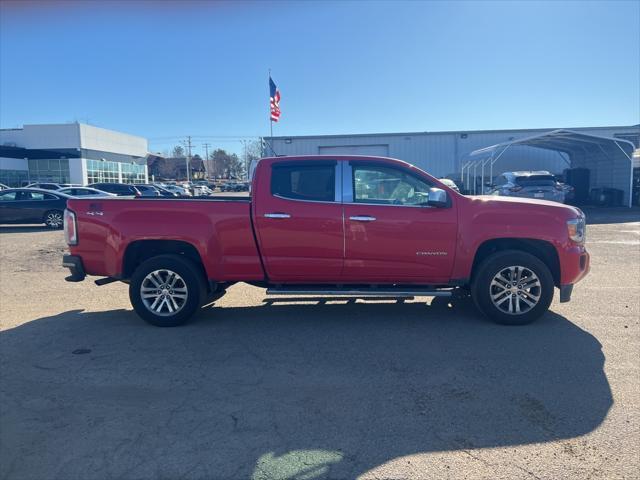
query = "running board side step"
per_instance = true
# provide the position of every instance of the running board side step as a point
(360, 293)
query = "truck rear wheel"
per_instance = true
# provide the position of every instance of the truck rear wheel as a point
(166, 290)
(512, 287)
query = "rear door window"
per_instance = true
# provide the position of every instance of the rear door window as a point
(304, 181)
(536, 181)
(33, 196)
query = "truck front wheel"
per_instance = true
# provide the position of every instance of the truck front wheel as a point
(512, 287)
(166, 290)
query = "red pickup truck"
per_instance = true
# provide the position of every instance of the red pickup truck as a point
(316, 225)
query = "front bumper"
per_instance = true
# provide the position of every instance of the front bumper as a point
(74, 264)
(574, 265)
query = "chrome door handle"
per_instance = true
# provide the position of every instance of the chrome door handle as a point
(277, 215)
(362, 218)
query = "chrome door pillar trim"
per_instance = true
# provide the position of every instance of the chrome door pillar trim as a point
(338, 183)
(347, 182)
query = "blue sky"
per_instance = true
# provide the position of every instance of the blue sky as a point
(169, 69)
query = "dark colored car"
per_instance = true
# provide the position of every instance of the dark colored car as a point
(84, 192)
(147, 190)
(234, 187)
(32, 205)
(166, 193)
(120, 189)
(45, 185)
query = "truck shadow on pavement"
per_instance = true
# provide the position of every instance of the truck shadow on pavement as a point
(287, 391)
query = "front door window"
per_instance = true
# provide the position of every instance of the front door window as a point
(388, 186)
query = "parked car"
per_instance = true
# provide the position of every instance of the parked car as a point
(196, 190)
(176, 189)
(449, 183)
(32, 205)
(148, 190)
(119, 189)
(164, 192)
(530, 184)
(44, 185)
(85, 192)
(569, 190)
(303, 233)
(234, 187)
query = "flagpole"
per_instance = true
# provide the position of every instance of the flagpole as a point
(270, 119)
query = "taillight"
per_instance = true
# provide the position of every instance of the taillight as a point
(70, 228)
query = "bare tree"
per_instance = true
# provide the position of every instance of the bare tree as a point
(178, 151)
(226, 165)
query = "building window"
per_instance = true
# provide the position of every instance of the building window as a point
(49, 170)
(14, 178)
(99, 171)
(133, 173)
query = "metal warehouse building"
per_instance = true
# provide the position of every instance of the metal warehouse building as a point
(451, 153)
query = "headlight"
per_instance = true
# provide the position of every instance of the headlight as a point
(577, 229)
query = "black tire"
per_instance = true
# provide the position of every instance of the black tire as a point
(482, 289)
(54, 219)
(190, 275)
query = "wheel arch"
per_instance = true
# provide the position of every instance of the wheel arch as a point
(139, 251)
(541, 249)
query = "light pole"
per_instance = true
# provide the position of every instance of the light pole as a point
(246, 157)
(207, 163)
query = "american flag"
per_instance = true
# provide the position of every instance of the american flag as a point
(274, 100)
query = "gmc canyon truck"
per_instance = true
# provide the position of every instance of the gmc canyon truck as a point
(349, 226)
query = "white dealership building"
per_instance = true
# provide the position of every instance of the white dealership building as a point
(71, 153)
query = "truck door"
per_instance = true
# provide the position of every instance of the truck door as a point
(391, 235)
(298, 220)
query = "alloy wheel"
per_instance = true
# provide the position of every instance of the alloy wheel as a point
(164, 292)
(515, 290)
(54, 220)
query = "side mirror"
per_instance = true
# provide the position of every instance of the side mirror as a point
(437, 198)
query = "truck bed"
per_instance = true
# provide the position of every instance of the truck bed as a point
(219, 227)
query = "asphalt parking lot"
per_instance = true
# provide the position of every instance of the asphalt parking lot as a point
(335, 390)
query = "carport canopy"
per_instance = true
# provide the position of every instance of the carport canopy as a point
(610, 160)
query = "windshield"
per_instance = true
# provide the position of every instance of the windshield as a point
(536, 180)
